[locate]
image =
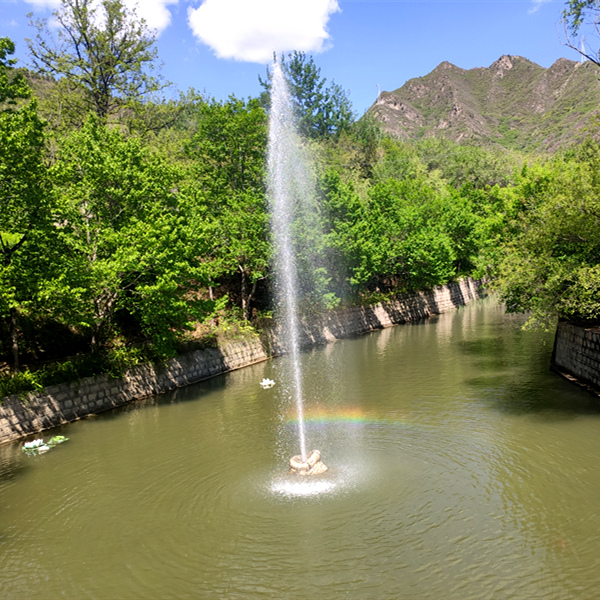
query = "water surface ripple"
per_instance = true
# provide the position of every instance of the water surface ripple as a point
(460, 467)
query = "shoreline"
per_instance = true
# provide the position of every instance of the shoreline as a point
(24, 415)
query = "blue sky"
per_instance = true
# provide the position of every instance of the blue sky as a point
(358, 43)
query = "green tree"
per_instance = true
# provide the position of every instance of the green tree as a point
(139, 252)
(551, 266)
(462, 164)
(228, 154)
(25, 195)
(322, 110)
(396, 239)
(63, 106)
(357, 150)
(101, 48)
(399, 160)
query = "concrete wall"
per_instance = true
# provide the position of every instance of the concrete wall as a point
(64, 403)
(577, 354)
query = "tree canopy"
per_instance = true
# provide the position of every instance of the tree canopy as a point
(322, 110)
(228, 153)
(551, 262)
(25, 195)
(101, 48)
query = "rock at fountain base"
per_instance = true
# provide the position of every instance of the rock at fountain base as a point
(312, 466)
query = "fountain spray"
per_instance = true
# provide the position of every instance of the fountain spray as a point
(289, 182)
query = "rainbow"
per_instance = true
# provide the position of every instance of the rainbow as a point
(351, 416)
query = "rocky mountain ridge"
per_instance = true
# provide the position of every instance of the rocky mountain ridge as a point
(514, 103)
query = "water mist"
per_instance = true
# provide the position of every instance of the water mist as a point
(289, 184)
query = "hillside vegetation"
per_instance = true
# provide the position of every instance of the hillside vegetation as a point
(513, 103)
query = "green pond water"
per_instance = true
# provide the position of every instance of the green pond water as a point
(459, 467)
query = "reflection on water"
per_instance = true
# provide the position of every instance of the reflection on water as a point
(303, 487)
(459, 467)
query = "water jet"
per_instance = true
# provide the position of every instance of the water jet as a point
(288, 188)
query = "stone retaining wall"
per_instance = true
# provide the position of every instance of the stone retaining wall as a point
(577, 354)
(360, 319)
(56, 405)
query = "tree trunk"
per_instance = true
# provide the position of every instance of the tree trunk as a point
(251, 297)
(211, 295)
(14, 338)
(244, 292)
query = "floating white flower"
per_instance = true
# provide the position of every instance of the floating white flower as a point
(267, 383)
(33, 444)
(39, 446)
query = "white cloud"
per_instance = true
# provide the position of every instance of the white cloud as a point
(251, 30)
(155, 12)
(44, 3)
(537, 4)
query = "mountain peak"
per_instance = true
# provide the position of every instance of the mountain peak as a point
(514, 103)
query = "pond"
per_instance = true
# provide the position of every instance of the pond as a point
(459, 467)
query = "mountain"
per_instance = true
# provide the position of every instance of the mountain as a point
(513, 102)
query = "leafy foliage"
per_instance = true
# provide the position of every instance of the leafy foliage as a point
(552, 263)
(13, 85)
(24, 196)
(322, 111)
(578, 11)
(228, 151)
(578, 14)
(100, 48)
(399, 238)
(128, 233)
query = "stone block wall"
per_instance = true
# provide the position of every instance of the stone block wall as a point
(56, 405)
(577, 354)
(59, 404)
(355, 320)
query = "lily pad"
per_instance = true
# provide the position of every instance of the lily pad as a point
(38, 446)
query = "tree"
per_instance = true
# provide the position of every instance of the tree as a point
(25, 195)
(356, 150)
(138, 253)
(322, 111)
(462, 164)
(228, 151)
(101, 48)
(574, 16)
(13, 85)
(396, 239)
(551, 264)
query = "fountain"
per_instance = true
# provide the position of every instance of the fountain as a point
(311, 466)
(288, 184)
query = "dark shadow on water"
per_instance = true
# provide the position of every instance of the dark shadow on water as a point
(515, 374)
(13, 462)
(490, 346)
(548, 397)
(10, 470)
(191, 393)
